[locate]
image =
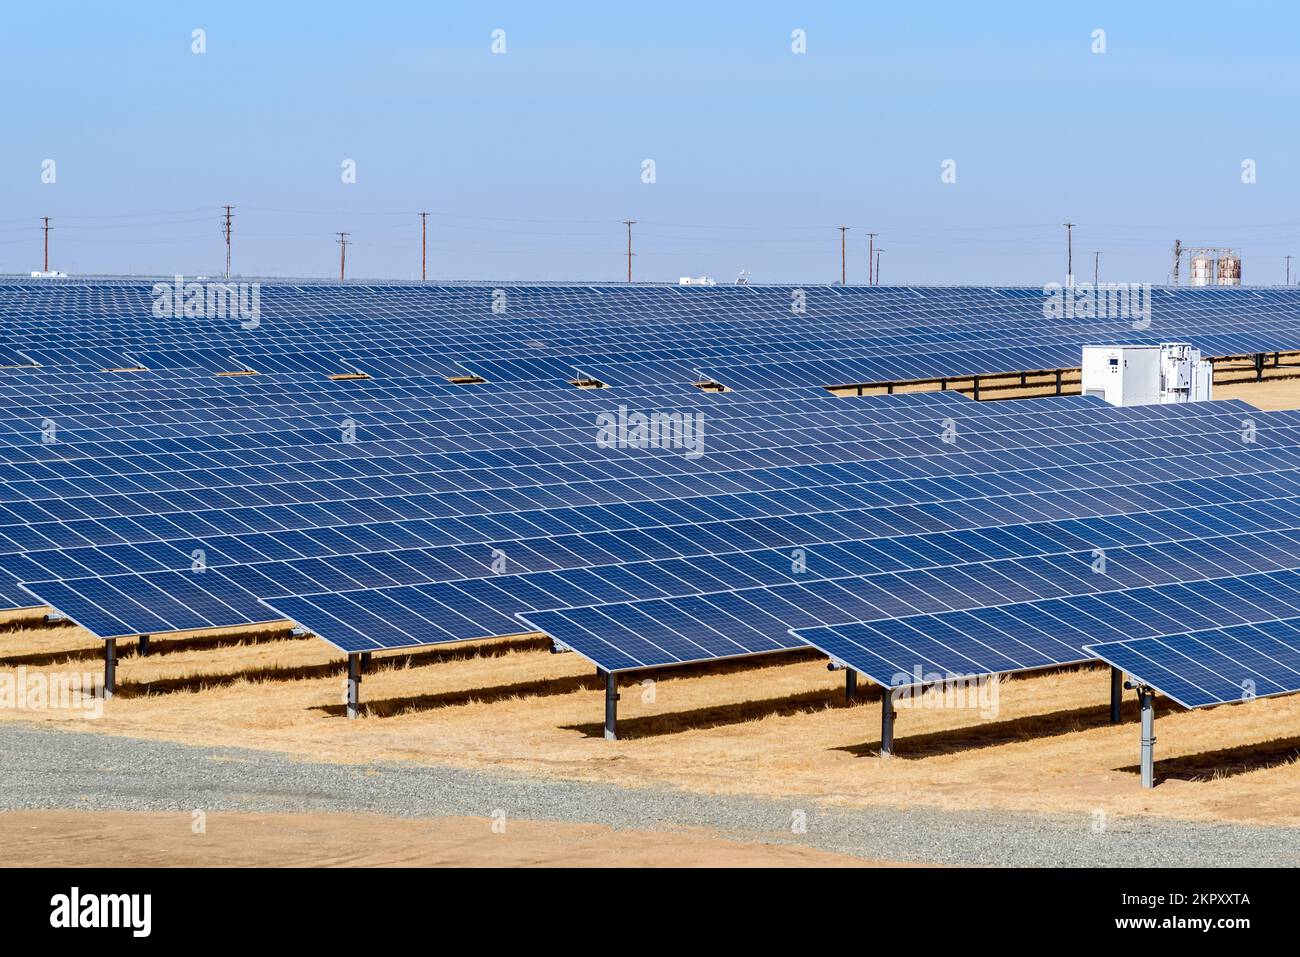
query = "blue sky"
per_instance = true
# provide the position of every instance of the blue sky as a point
(529, 160)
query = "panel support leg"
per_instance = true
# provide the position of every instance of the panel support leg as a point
(977, 388)
(110, 667)
(1146, 701)
(1259, 366)
(1116, 694)
(365, 661)
(887, 716)
(354, 685)
(611, 706)
(1058, 381)
(144, 645)
(850, 684)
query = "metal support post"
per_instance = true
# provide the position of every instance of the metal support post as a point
(354, 684)
(850, 684)
(611, 706)
(1116, 694)
(887, 716)
(110, 667)
(1146, 701)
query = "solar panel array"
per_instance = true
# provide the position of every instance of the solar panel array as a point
(914, 534)
(745, 336)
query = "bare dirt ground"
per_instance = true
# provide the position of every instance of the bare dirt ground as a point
(145, 839)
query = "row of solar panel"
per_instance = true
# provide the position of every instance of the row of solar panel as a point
(659, 336)
(378, 558)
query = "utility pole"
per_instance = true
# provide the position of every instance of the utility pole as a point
(878, 252)
(843, 270)
(226, 230)
(1178, 258)
(871, 258)
(343, 253)
(629, 223)
(1096, 268)
(46, 221)
(1069, 254)
(424, 225)
(1288, 270)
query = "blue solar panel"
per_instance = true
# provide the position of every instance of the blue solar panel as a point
(1219, 666)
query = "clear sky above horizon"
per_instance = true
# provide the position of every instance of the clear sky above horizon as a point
(529, 160)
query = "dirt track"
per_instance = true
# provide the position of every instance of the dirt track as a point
(155, 839)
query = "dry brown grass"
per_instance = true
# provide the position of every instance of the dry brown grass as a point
(775, 726)
(1277, 391)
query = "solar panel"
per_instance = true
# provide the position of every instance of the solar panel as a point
(1198, 669)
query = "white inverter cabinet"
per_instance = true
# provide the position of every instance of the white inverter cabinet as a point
(1147, 374)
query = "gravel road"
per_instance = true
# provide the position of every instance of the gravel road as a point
(50, 768)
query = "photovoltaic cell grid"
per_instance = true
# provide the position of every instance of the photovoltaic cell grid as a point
(747, 336)
(148, 602)
(1218, 666)
(663, 472)
(1026, 636)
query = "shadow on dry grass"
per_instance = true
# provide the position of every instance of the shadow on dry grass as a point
(717, 716)
(336, 667)
(158, 647)
(1224, 763)
(551, 687)
(991, 734)
(408, 704)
